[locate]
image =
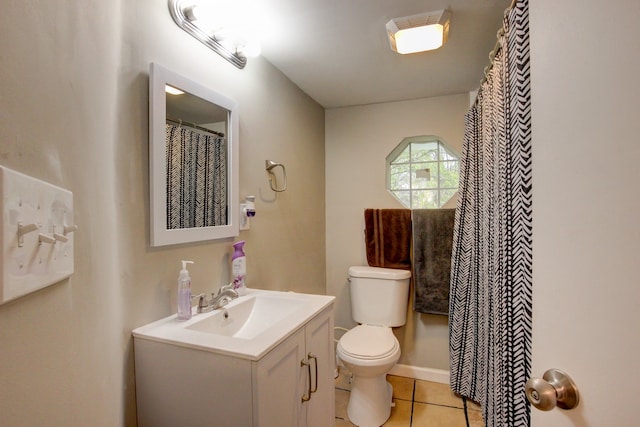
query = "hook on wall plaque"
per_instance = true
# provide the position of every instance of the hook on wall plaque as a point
(273, 183)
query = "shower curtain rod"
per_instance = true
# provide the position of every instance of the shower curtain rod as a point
(497, 46)
(195, 126)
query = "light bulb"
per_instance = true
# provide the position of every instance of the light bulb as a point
(419, 39)
(250, 49)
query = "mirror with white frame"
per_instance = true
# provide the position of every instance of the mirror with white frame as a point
(193, 161)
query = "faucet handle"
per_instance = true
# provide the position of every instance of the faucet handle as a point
(225, 288)
(202, 301)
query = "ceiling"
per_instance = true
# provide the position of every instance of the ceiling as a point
(337, 51)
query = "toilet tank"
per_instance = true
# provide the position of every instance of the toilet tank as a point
(379, 296)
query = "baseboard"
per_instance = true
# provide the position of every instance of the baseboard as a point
(419, 373)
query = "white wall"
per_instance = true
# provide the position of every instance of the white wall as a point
(73, 111)
(358, 140)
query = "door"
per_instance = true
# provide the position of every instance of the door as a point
(586, 205)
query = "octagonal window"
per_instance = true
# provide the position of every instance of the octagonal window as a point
(422, 172)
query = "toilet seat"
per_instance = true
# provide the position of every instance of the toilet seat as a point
(368, 342)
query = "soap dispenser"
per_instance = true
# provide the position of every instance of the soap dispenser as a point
(184, 292)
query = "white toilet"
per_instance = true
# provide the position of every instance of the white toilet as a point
(379, 299)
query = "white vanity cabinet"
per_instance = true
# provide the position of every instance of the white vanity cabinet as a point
(294, 382)
(183, 385)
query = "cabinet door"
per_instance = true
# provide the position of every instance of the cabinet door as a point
(320, 409)
(279, 382)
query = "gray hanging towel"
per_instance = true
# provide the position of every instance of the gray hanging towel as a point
(432, 242)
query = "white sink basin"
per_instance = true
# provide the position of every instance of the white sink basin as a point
(248, 327)
(249, 317)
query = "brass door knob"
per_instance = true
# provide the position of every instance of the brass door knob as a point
(555, 388)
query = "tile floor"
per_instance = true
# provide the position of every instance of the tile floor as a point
(417, 404)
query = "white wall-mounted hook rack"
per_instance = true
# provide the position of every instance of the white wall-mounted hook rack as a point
(32, 254)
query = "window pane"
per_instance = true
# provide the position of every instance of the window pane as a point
(425, 175)
(449, 172)
(446, 195)
(424, 151)
(400, 177)
(403, 157)
(446, 153)
(403, 196)
(424, 199)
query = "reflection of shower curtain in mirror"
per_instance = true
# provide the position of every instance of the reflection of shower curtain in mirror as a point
(196, 178)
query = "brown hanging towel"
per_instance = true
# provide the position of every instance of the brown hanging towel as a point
(388, 238)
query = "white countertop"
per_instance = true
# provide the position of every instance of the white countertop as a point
(173, 331)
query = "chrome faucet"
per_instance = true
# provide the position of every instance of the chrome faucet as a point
(225, 294)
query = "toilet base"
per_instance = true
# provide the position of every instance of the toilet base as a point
(370, 401)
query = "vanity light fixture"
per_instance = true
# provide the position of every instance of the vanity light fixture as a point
(200, 21)
(419, 33)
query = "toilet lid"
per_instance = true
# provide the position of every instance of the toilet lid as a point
(369, 342)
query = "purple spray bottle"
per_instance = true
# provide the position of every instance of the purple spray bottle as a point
(239, 268)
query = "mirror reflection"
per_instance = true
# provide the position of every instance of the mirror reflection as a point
(193, 161)
(196, 149)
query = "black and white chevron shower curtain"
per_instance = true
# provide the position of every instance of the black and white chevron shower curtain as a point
(491, 278)
(196, 178)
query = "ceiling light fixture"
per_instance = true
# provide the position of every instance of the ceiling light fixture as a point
(419, 33)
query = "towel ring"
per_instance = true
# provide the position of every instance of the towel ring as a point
(269, 165)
